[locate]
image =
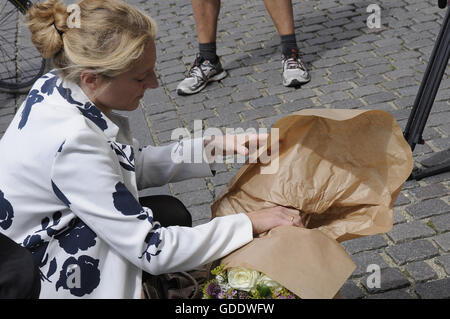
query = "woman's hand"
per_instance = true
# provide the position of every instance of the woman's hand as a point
(265, 219)
(234, 143)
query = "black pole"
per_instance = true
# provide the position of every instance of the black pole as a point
(424, 102)
(429, 86)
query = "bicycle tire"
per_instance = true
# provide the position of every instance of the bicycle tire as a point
(21, 64)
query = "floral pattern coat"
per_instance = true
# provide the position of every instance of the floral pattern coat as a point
(69, 181)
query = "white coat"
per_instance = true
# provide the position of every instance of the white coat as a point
(69, 181)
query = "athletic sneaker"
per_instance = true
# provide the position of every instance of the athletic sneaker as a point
(294, 71)
(201, 72)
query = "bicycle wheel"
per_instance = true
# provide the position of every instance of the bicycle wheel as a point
(20, 63)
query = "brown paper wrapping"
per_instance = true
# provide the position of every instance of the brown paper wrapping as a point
(343, 170)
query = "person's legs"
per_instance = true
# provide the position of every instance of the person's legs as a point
(206, 67)
(19, 273)
(282, 14)
(206, 14)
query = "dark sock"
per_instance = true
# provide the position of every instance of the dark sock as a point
(288, 43)
(208, 51)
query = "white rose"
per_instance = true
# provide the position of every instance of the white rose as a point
(242, 278)
(264, 280)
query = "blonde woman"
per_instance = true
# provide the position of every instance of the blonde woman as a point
(70, 172)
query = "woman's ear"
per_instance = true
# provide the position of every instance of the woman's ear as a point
(90, 80)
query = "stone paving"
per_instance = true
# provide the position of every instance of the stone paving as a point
(352, 66)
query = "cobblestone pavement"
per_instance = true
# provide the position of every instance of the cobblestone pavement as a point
(352, 66)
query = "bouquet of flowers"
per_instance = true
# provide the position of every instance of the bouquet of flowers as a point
(243, 283)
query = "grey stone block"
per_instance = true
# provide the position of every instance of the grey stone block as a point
(333, 97)
(402, 200)
(392, 294)
(343, 76)
(200, 212)
(188, 185)
(366, 90)
(246, 95)
(398, 216)
(391, 278)
(266, 101)
(371, 79)
(196, 198)
(343, 68)
(430, 191)
(221, 179)
(420, 271)
(438, 289)
(441, 223)
(399, 83)
(379, 97)
(299, 94)
(364, 243)
(159, 108)
(350, 291)
(443, 241)
(376, 69)
(335, 87)
(166, 125)
(408, 231)
(412, 251)
(364, 259)
(189, 118)
(296, 106)
(262, 112)
(191, 108)
(443, 261)
(161, 190)
(349, 104)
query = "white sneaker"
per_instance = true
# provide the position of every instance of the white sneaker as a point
(294, 71)
(201, 73)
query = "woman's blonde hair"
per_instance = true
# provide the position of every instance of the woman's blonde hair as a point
(111, 36)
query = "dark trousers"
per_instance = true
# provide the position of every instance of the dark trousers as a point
(19, 273)
(167, 210)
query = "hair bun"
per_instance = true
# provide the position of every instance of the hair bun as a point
(47, 22)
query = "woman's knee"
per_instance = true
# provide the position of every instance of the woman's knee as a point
(168, 210)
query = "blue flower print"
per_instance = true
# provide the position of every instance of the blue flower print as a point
(77, 236)
(125, 203)
(152, 239)
(73, 237)
(60, 194)
(49, 229)
(127, 162)
(66, 93)
(38, 247)
(49, 85)
(80, 276)
(90, 111)
(33, 98)
(6, 212)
